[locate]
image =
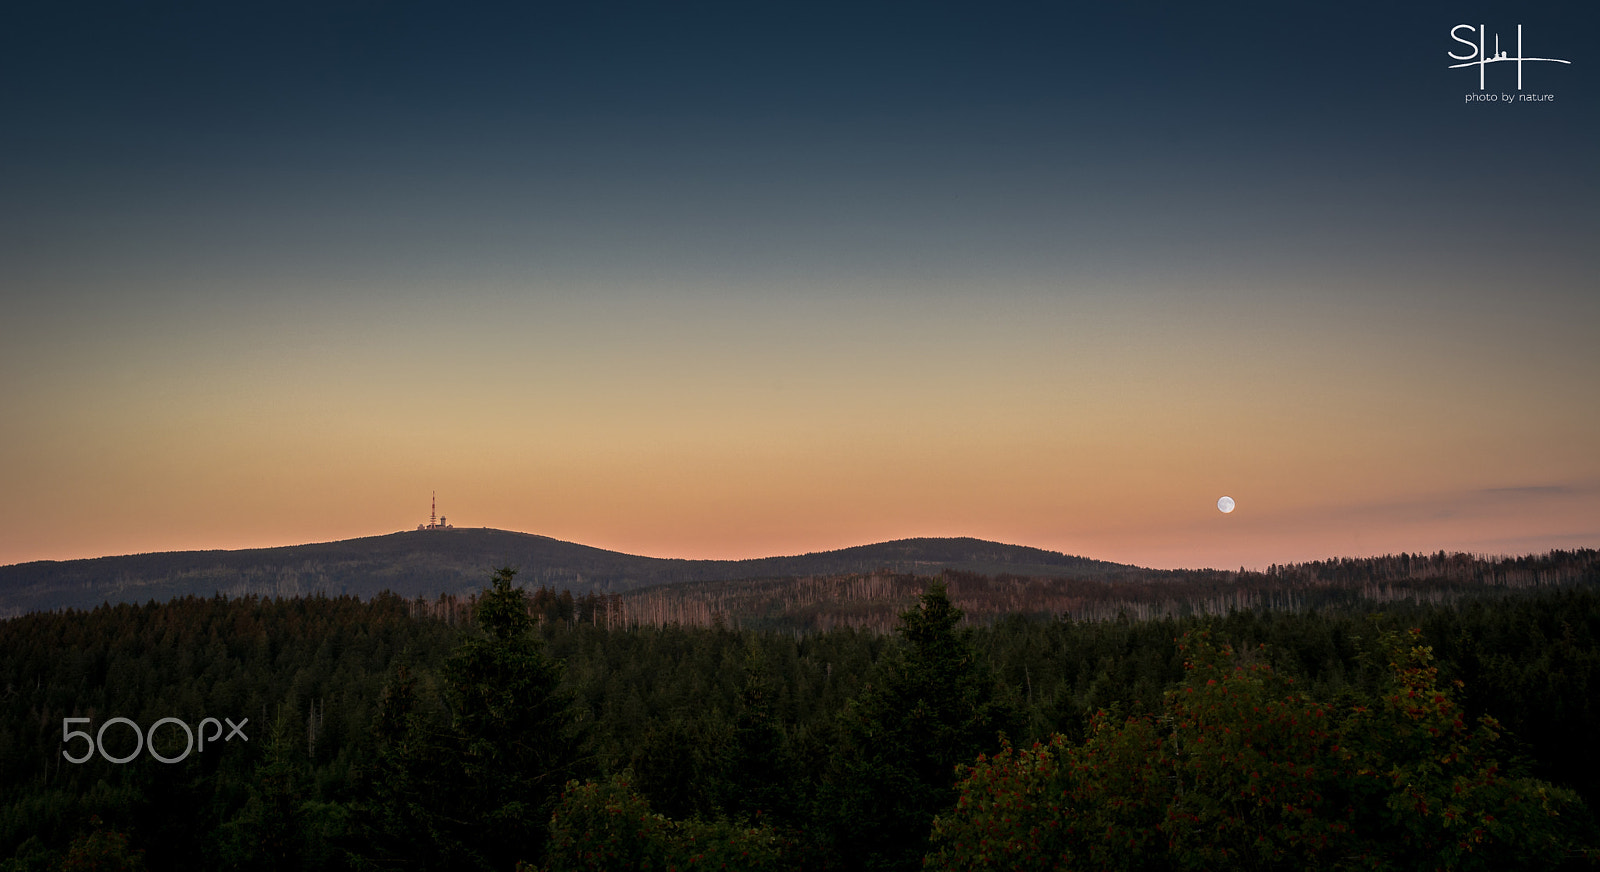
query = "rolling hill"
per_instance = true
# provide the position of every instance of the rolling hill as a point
(457, 561)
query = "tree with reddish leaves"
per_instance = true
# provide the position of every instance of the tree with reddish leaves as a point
(1242, 770)
(102, 849)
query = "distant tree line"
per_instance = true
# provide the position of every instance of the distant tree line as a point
(518, 728)
(875, 600)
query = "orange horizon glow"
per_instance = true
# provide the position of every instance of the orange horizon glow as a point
(734, 441)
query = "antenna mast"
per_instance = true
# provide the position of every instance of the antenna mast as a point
(433, 513)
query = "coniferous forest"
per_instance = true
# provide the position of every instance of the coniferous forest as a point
(515, 730)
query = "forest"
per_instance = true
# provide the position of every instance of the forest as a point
(519, 729)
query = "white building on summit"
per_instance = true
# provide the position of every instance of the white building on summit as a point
(434, 521)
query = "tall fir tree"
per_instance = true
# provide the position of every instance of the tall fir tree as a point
(517, 742)
(931, 706)
(763, 773)
(479, 793)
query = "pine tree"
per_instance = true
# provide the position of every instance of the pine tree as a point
(398, 826)
(931, 707)
(515, 738)
(476, 793)
(763, 768)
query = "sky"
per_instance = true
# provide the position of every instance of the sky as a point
(727, 280)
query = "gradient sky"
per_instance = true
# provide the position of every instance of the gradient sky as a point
(734, 280)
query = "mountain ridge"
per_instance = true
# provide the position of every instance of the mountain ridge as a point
(433, 562)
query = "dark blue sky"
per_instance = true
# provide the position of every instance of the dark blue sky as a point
(727, 111)
(101, 85)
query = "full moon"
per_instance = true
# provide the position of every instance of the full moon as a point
(1225, 505)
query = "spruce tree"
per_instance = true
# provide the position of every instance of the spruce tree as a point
(930, 706)
(516, 739)
(478, 793)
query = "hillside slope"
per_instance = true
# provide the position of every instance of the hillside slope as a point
(429, 563)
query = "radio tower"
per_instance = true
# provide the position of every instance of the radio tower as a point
(434, 521)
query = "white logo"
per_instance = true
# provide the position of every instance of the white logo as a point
(1480, 59)
(97, 741)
